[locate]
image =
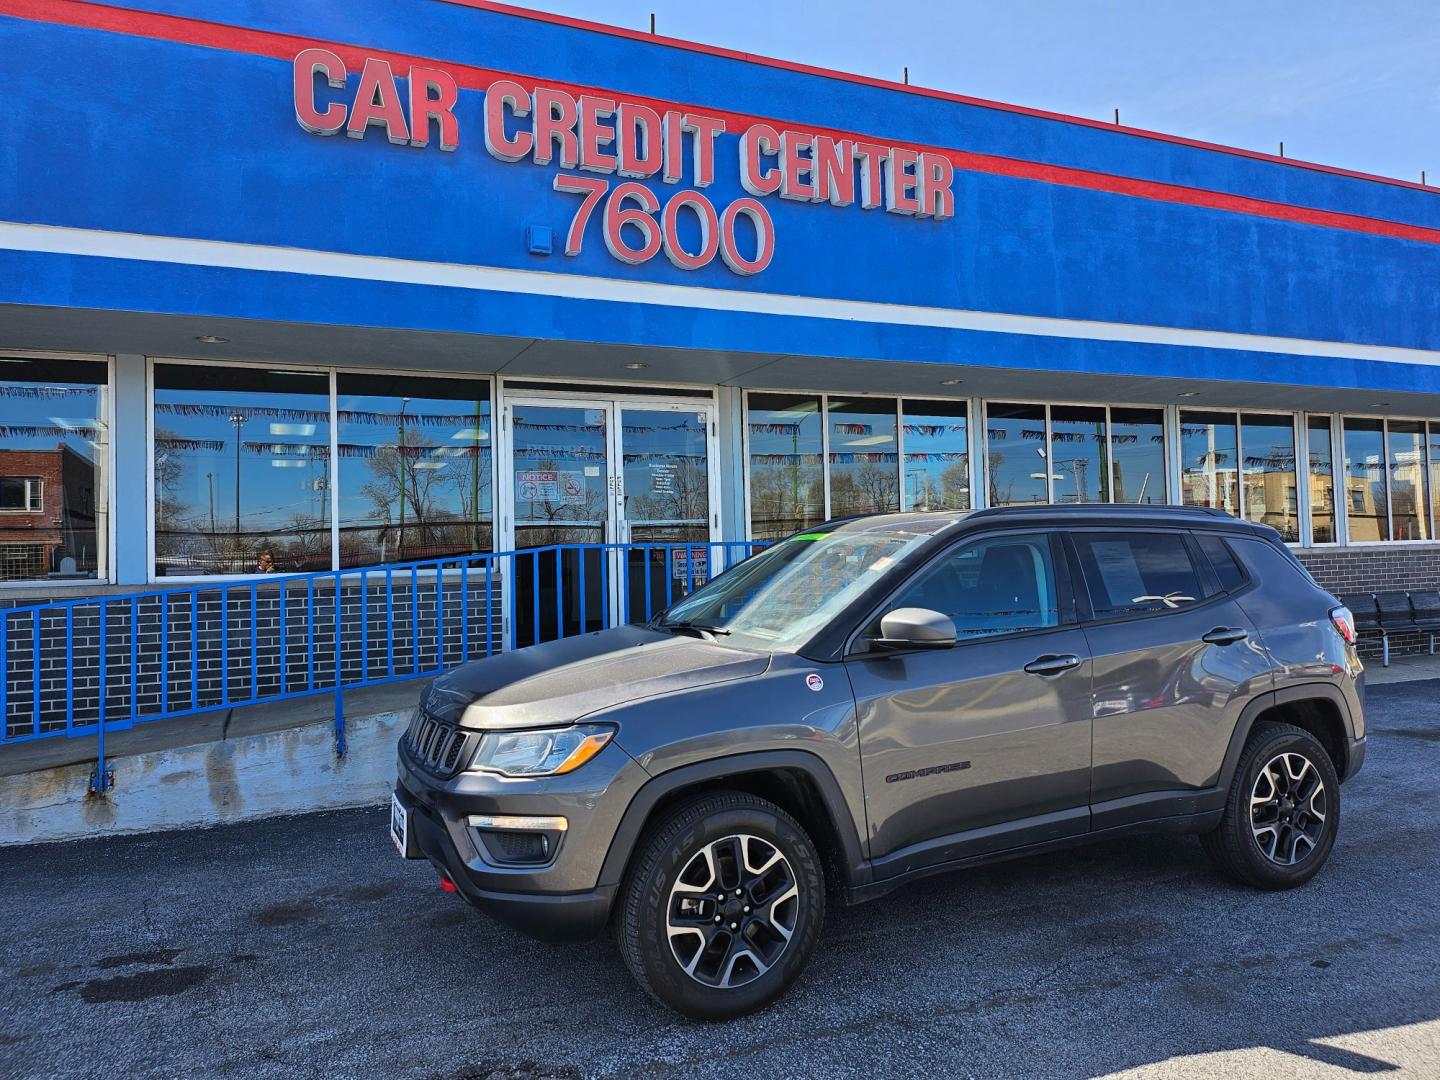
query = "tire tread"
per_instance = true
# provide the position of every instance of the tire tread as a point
(653, 848)
(1225, 845)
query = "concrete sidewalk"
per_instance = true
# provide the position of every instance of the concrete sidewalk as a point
(1402, 669)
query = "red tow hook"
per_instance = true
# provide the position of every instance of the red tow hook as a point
(447, 884)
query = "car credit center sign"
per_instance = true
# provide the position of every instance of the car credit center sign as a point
(594, 137)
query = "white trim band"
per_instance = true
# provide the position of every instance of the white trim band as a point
(226, 254)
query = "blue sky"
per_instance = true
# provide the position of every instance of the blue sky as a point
(1354, 84)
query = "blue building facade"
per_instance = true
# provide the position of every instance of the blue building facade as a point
(315, 286)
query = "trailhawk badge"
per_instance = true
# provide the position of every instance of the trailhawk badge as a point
(814, 682)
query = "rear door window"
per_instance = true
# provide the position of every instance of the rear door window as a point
(1222, 559)
(1137, 573)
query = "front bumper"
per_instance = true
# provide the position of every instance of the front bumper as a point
(561, 900)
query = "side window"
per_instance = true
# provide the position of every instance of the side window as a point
(1136, 573)
(1001, 585)
(1222, 559)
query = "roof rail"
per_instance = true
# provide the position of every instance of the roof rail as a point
(1140, 509)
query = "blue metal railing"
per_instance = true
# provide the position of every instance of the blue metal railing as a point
(103, 663)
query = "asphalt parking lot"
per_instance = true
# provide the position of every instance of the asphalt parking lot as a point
(305, 947)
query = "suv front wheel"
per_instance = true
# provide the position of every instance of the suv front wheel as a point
(723, 906)
(1282, 813)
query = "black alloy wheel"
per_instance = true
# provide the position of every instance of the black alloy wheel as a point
(722, 906)
(1282, 813)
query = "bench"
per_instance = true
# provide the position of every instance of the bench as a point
(1366, 611)
(1426, 606)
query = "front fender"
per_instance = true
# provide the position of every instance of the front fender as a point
(642, 806)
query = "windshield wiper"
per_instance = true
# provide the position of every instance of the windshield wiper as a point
(704, 628)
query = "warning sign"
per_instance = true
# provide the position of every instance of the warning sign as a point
(690, 564)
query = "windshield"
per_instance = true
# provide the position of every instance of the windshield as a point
(782, 596)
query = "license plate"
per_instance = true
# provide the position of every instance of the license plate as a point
(399, 823)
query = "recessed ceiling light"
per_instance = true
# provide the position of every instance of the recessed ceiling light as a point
(635, 365)
(1188, 393)
(951, 382)
(1380, 405)
(211, 339)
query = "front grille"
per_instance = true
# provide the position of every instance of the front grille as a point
(438, 747)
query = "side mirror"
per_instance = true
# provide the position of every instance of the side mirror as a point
(916, 628)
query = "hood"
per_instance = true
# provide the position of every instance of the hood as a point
(564, 681)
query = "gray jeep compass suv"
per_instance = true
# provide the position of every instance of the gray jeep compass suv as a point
(880, 699)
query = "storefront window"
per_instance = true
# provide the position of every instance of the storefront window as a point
(1406, 457)
(1209, 460)
(937, 456)
(787, 491)
(54, 462)
(1365, 513)
(1434, 473)
(1078, 454)
(1017, 468)
(1137, 444)
(1322, 480)
(1268, 443)
(414, 467)
(242, 470)
(864, 469)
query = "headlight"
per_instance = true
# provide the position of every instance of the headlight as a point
(551, 752)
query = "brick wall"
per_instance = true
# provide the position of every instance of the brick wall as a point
(207, 646)
(186, 650)
(1411, 567)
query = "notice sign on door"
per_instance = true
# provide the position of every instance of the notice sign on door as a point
(549, 486)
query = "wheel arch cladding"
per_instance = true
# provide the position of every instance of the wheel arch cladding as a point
(799, 783)
(1321, 717)
(1318, 708)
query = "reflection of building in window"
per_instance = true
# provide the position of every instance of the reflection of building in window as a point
(54, 458)
(47, 514)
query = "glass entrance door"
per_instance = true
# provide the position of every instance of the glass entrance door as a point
(561, 493)
(665, 500)
(629, 481)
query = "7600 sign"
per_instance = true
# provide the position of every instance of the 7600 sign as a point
(636, 205)
(638, 139)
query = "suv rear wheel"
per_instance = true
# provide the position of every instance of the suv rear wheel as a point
(723, 906)
(1282, 812)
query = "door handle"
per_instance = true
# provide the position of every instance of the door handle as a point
(1226, 635)
(1052, 665)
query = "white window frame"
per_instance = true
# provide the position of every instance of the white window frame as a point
(332, 372)
(105, 492)
(984, 436)
(1298, 444)
(824, 397)
(1425, 423)
(1307, 506)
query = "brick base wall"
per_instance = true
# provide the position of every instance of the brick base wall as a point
(1411, 567)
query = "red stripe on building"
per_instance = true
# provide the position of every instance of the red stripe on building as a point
(920, 91)
(81, 13)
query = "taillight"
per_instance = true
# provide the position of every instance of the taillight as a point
(1344, 621)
